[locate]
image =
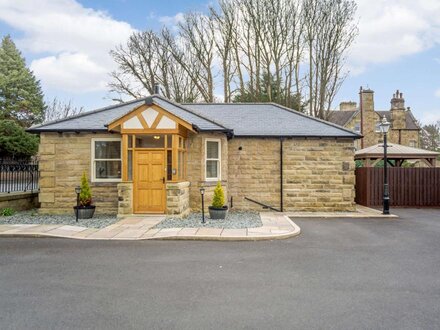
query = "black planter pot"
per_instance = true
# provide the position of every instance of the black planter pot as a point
(218, 213)
(84, 212)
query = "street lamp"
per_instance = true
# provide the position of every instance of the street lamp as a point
(202, 192)
(384, 127)
(77, 191)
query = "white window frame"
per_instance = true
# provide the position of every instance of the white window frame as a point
(93, 160)
(219, 160)
(357, 127)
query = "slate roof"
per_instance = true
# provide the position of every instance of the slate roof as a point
(98, 120)
(239, 119)
(267, 119)
(342, 117)
(411, 122)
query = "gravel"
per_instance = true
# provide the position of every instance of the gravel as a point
(32, 217)
(234, 220)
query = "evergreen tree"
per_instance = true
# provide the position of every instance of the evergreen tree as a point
(15, 142)
(270, 91)
(219, 196)
(85, 197)
(21, 98)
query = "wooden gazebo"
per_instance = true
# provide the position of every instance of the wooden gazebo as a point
(396, 153)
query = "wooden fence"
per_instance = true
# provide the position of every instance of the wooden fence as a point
(418, 187)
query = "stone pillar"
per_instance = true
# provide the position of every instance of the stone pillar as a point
(125, 198)
(178, 198)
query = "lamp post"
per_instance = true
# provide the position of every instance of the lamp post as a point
(384, 127)
(202, 192)
(77, 191)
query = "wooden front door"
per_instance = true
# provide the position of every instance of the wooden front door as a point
(149, 182)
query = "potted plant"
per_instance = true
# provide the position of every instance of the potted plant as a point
(218, 209)
(85, 209)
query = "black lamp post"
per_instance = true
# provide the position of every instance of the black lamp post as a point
(77, 191)
(384, 127)
(202, 192)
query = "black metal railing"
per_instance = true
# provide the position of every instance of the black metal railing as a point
(17, 176)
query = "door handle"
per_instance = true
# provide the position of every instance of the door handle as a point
(163, 180)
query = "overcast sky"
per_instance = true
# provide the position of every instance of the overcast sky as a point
(66, 44)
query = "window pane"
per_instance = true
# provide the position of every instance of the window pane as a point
(107, 149)
(110, 169)
(180, 164)
(130, 165)
(169, 165)
(169, 141)
(212, 149)
(211, 169)
(130, 141)
(150, 141)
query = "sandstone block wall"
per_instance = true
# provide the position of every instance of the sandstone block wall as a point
(19, 201)
(178, 198)
(125, 198)
(371, 137)
(63, 159)
(318, 174)
(196, 169)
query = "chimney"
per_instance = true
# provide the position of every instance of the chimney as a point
(347, 106)
(367, 99)
(398, 102)
(157, 89)
(368, 116)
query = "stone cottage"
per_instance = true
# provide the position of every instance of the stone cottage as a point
(152, 155)
(364, 119)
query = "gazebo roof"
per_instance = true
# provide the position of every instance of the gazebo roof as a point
(394, 151)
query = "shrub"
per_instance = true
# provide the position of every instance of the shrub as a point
(7, 212)
(85, 197)
(219, 196)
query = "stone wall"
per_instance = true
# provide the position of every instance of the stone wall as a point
(19, 201)
(196, 169)
(63, 159)
(371, 137)
(318, 174)
(178, 198)
(125, 198)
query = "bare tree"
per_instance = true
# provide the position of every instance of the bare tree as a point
(59, 110)
(285, 51)
(145, 61)
(330, 32)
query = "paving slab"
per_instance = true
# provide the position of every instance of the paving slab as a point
(275, 226)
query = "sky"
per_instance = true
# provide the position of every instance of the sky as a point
(67, 42)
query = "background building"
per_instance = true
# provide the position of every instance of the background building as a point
(364, 119)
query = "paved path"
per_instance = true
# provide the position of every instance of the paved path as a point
(275, 226)
(339, 273)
